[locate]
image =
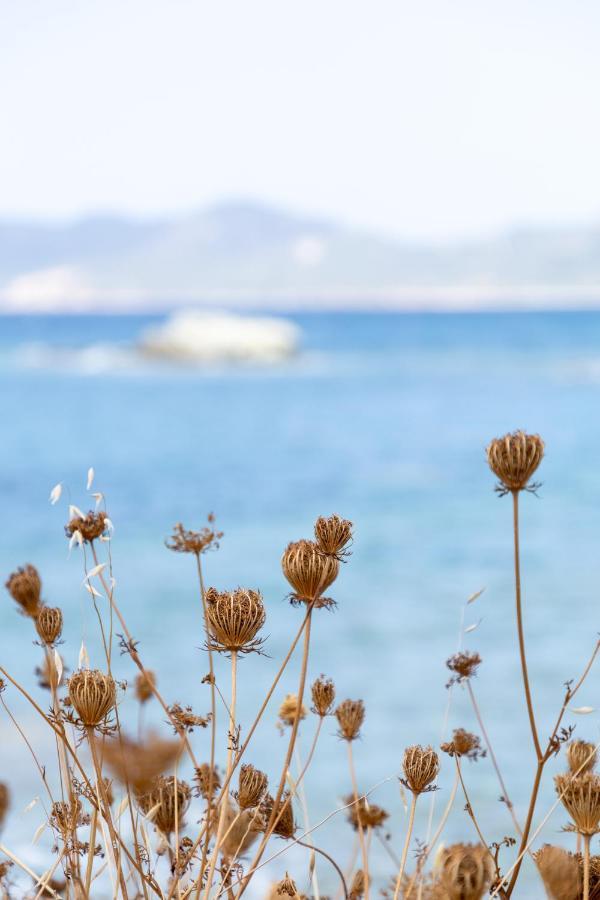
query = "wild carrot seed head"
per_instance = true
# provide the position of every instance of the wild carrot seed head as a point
(580, 795)
(421, 766)
(466, 871)
(252, 786)
(309, 571)
(350, 715)
(48, 624)
(323, 696)
(333, 536)
(169, 798)
(25, 587)
(581, 757)
(93, 695)
(289, 710)
(184, 540)
(514, 458)
(90, 527)
(464, 743)
(234, 619)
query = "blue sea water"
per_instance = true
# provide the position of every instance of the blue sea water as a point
(381, 418)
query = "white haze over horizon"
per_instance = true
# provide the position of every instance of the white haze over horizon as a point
(428, 121)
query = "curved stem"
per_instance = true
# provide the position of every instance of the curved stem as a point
(411, 822)
(312, 848)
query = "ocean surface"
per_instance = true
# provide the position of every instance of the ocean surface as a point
(381, 418)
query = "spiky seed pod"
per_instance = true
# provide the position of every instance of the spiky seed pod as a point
(4, 801)
(234, 619)
(580, 795)
(420, 766)
(466, 871)
(287, 886)
(252, 786)
(309, 571)
(514, 458)
(464, 743)
(357, 888)
(93, 695)
(49, 623)
(144, 683)
(90, 527)
(168, 805)
(207, 785)
(350, 715)
(333, 535)
(286, 826)
(323, 696)
(581, 757)
(25, 587)
(289, 710)
(560, 872)
(364, 814)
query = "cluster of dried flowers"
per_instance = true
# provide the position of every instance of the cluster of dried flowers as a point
(125, 822)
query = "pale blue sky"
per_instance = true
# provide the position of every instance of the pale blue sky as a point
(434, 118)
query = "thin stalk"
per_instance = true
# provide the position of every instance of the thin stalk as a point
(431, 844)
(411, 822)
(361, 833)
(22, 865)
(298, 789)
(312, 848)
(105, 809)
(90, 860)
(586, 867)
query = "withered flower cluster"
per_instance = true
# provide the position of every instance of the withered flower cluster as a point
(420, 766)
(358, 885)
(310, 572)
(323, 696)
(580, 795)
(208, 781)
(581, 757)
(285, 825)
(252, 786)
(185, 541)
(166, 803)
(183, 719)
(93, 695)
(287, 886)
(363, 814)
(91, 527)
(464, 665)
(234, 618)
(333, 536)
(48, 624)
(350, 715)
(514, 458)
(289, 711)
(464, 743)
(25, 587)
(466, 871)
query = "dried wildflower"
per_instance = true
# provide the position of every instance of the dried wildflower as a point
(185, 541)
(420, 766)
(4, 801)
(560, 872)
(252, 786)
(357, 888)
(93, 695)
(208, 782)
(184, 720)
(90, 527)
(166, 804)
(289, 710)
(309, 571)
(65, 817)
(364, 814)
(466, 871)
(514, 458)
(234, 618)
(333, 535)
(144, 684)
(464, 743)
(48, 624)
(464, 665)
(350, 715)
(323, 696)
(25, 587)
(581, 757)
(138, 763)
(287, 886)
(580, 795)
(286, 826)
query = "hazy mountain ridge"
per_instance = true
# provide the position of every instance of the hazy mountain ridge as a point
(247, 253)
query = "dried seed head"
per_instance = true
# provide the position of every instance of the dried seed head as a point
(581, 757)
(350, 715)
(93, 694)
(560, 872)
(25, 586)
(287, 886)
(466, 871)
(4, 801)
(90, 527)
(168, 804)
(208, 781)
(234, 619)
(464, 665)
(65, 817)
(323, 696)
(421, 766)
(289, 710)
(138, 763)
(144, 683)
(514, 458)
(333, 535)
(580, 795)
(309, 571)
(184, 541)
(464, 743)
(363, 813)
(357, 888)
(48, 623)
(252, 786)
(286, 826)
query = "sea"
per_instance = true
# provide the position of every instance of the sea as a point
(383, 419)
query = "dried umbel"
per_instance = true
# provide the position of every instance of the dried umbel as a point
(167, 801)
(323, 696)
(252, 786)
(333, 535)
(309, 571)
(25, 587)
(65, 817)
(144, 684)
(466, 871)
(464, 665)
(464, 743)
(350, 715)
(93, 695)
(514, 458)
(560, 872)
(357, 888)
(138, 763)
(287, 886)
(580, 795)
(4, 801)
(581, 757)
(364, 814)
(90, 527)
(420, 766)
(185, 541)
(184, 719)
(48, 624)
(288, 711)
(208, 781)
(285, 826)
(234, 619)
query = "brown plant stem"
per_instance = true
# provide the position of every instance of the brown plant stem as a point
(105, 809)
(409, 831)
(433, 841)
(312, 848)
(361, 832)
(586, 866)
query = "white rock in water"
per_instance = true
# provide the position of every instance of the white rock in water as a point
(198, 336)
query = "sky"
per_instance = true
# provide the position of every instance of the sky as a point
(430, 119)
